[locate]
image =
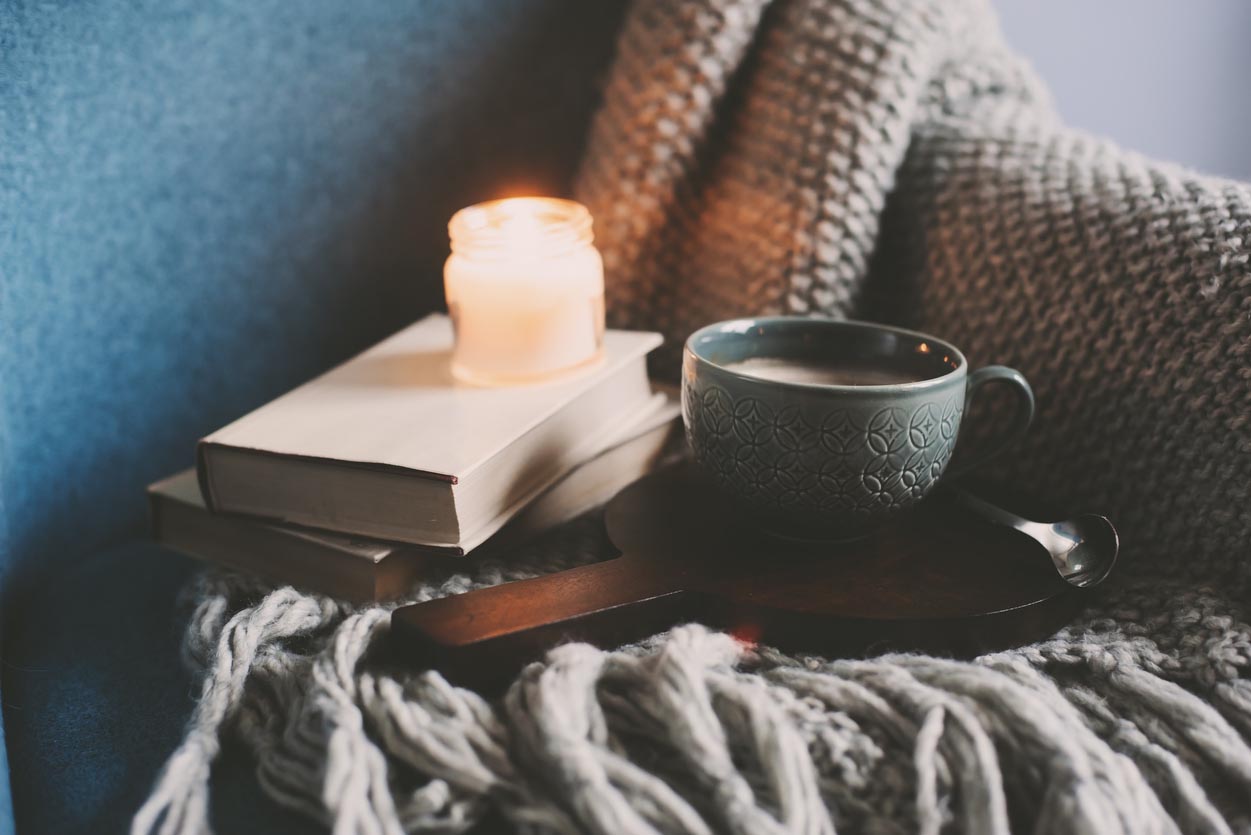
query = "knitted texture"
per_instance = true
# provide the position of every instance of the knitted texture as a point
(892, 160)
(888, 159)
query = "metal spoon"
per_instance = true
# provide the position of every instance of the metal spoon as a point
(1083, 549)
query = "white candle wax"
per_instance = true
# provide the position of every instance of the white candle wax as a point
(525, 289)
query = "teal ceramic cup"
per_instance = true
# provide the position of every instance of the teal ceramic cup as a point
(815, 460)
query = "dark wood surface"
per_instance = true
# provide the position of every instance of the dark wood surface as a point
(935, 581)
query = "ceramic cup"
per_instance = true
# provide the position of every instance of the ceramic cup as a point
(822, 461)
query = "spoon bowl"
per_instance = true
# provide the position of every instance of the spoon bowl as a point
(1082, 549)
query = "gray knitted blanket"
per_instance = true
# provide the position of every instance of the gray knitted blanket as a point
(890, 160)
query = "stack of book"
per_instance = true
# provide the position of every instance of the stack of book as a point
(363, 480)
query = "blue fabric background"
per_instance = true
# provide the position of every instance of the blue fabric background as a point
(205, 203)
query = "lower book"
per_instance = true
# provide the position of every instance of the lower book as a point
(364, 570)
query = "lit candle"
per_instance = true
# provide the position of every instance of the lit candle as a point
(525, 290)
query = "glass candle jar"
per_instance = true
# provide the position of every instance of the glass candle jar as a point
(525, 290)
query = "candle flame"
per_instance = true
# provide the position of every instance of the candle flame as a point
(522, 226)
(519, 219)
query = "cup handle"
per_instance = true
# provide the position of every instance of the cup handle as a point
(1021, 418)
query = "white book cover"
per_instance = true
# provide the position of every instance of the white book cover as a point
(580, 489)
(390, 445)
(398, 405)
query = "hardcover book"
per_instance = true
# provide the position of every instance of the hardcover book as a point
(360, 569)
(389, 445)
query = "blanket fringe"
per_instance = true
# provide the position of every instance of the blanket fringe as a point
(696, 733)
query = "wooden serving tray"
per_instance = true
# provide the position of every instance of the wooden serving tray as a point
(940, 581)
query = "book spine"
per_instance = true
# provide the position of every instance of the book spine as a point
(202, 476)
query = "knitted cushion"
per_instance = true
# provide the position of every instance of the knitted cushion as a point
(893, 160)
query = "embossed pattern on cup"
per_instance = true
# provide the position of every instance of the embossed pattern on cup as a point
(841, 460)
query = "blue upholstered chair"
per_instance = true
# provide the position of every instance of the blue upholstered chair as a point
(201, 205)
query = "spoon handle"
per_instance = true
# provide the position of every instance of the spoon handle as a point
(985, 509)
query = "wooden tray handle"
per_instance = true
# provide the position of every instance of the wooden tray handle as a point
(482, 638)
